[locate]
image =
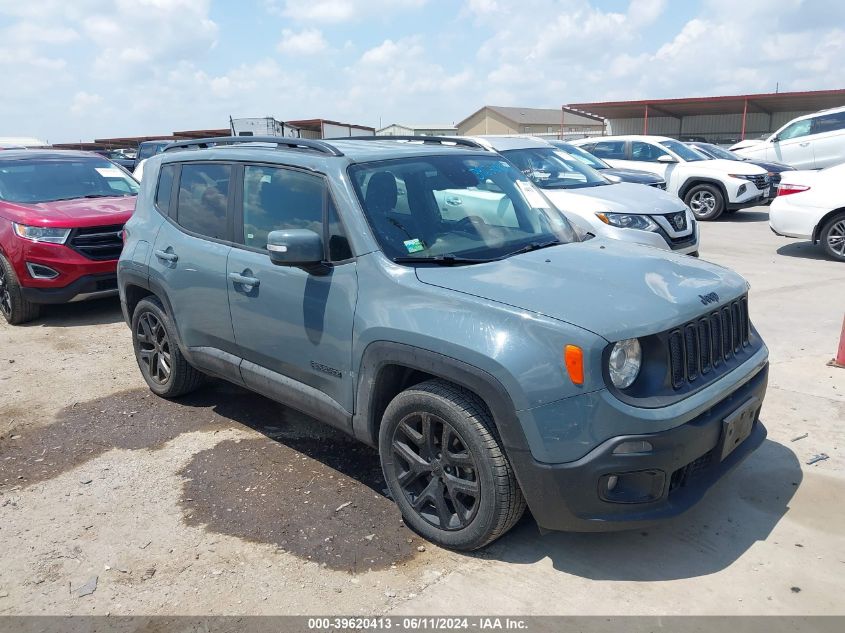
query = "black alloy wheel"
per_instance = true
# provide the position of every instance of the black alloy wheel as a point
(436, 471)
(153, 348)
(5, 295)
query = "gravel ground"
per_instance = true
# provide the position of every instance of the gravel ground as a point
(115, 501)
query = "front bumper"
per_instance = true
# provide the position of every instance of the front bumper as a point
(686, 459)
(83, 288)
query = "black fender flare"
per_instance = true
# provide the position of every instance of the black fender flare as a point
(132, 277)
(379, 354)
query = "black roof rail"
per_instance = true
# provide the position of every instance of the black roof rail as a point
(281, 142)
(438, 140)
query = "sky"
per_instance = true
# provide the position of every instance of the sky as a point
(75, 70)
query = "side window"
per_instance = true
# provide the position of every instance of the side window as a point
(204, 198)
(615, 150)
(646, 152)
(277, 198)
(796, 130)
(165, 188)
(829, 122)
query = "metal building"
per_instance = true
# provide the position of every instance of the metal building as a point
(724, 119)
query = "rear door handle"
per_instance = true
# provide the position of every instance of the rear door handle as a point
(804, 144)
(168, 257)
(244, 281)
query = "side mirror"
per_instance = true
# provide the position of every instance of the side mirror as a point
(773, 138)
(295, 247)
(665, 158)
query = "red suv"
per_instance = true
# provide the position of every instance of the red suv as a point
(61, 223)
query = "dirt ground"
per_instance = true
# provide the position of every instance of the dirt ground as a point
(115, 501)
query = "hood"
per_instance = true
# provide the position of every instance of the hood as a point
(723, 166)
(71, 213)
(771, 166)
(623, 197)
(611, 288)
(632, 175)
(746, 143)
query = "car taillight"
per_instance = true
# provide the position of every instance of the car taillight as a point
(786, 189)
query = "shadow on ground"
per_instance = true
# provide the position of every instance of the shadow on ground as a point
(745, 216)
(739, 511)
(296, 484)
(94, 312)
(803, 250)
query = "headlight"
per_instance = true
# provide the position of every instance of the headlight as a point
(628, 221)
(624, 362)
(42, 234)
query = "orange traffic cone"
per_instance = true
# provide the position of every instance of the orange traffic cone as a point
(839, 361)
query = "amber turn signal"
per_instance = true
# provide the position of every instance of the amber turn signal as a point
(574, 358)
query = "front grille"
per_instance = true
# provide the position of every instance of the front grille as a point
(760, 181)
(98, 242)
(704, 344)
(677, 221)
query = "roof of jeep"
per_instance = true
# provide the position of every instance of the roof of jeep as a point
(354, 151)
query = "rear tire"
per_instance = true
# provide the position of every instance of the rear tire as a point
(14, 308)
(705, 201)
(166, 371)
(445, 467)
(832, 237)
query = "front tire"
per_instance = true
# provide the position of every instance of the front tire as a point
(705, 201)
(445, 467)
(832, 237)
(14, 308)
(165, 370)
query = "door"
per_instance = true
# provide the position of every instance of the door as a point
(828, 139)
(614, 153)
(189, 255)
(293, 322)
(793, 145)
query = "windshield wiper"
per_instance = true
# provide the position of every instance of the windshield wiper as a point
(533, 246)
(441, 260)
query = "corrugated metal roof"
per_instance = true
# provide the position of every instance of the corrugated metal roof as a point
(728, 104)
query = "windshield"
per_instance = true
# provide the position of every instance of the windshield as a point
(684, 151)
(49, 179)
(552, 168)
(581, 154)
(717, 152)
(448, 207)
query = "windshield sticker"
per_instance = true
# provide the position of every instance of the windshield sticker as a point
(109, 172)
(535, 199)
(414, 246)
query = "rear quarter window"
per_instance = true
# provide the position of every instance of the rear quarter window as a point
(164, 190)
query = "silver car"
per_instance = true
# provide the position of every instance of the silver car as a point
(621, 210)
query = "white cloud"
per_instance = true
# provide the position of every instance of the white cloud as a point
(336, 11)
(32, 33)
(305, 42)
(84, 102)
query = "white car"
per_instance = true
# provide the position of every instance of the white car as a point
(622, 211)
(138, 174)
(812, 141)
(710, 187)
(811, 205)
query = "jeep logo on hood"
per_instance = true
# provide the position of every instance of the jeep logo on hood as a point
(709, 298)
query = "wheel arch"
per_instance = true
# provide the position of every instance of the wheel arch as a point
(692, 181)
(388, 368)
(134, 287)
(817, 231)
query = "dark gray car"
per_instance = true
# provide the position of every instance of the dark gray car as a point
(493, 358)
(613, 174)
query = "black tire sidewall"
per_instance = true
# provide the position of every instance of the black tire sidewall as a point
(22, 310)
(476, 532)
(823, 235)
(717, 193)
(153, 306)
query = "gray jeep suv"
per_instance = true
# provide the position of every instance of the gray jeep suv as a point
(493, 358)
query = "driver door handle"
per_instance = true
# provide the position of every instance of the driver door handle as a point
(804, 144)
(244, 281)
(168, 257)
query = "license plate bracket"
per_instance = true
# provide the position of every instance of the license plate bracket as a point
(738, 425)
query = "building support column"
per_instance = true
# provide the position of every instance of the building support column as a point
(744, 114)
(645, 120)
